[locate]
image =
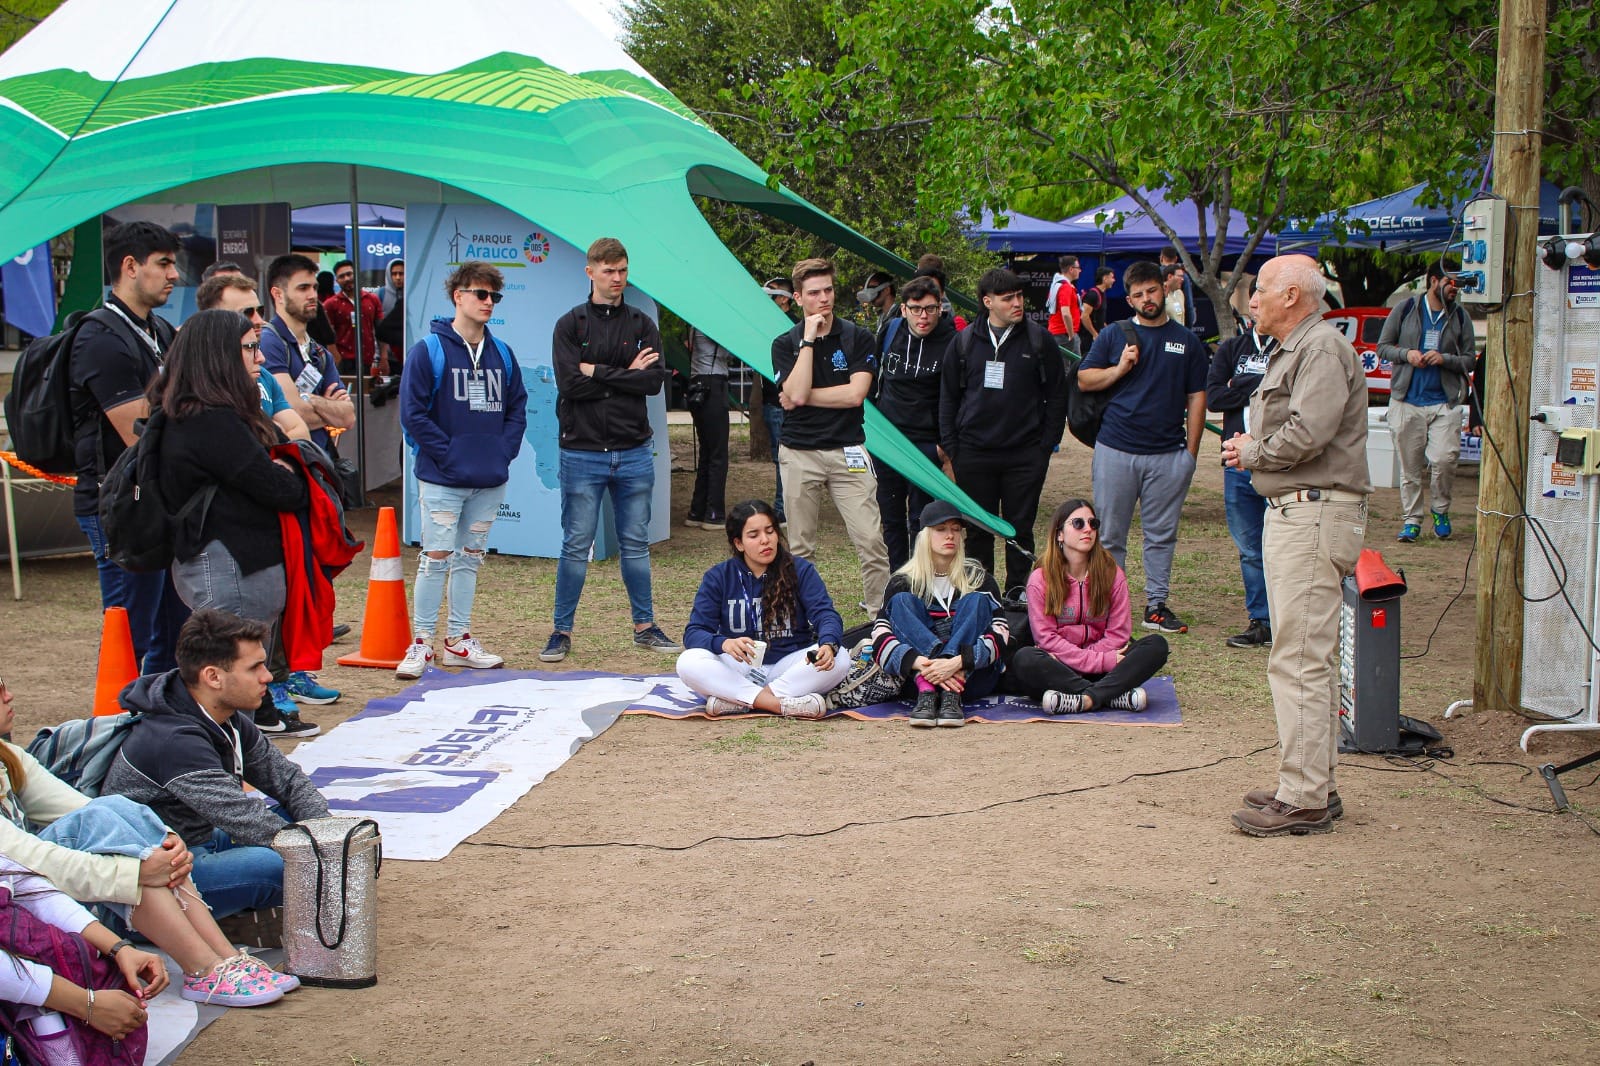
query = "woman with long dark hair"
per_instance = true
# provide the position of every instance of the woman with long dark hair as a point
(216, 436)
(1081, 621)
(941, 625)
(763, 633)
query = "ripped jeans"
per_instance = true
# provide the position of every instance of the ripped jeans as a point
(457, 521)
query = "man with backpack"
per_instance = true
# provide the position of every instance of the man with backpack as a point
(1430, 343)
(607, 358)
(117, 349)
(464, 407)
(915, 347)
(1002, 410)
(306, 371)
(1150, 432)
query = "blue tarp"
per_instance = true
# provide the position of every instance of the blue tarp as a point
(1399, 222)
(323, 226)
(1024, 233)
(1138, 233)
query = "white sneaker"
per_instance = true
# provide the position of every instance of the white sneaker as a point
(468, 652)
(1132, 700)
(1063, 702)
(717, 706)
(808, 706)
(418, 655)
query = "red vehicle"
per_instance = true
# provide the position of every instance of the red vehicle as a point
(1362, 326)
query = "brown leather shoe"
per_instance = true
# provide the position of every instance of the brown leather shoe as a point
(1257, 799)
(1279, 819)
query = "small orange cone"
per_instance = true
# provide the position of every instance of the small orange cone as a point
(117, 664)
(386, 625)
(1375, 580)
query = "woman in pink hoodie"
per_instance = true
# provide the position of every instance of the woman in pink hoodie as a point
(1078, 611)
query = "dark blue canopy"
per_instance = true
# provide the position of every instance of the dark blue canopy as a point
(323, 226)
(1024, 233)
(1399, 222)
(1139, 233)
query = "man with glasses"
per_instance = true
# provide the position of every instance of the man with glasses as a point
(303, 368)
(341, 311)
(1002, 410)
(908, 396)
(465, 407)
(607, 358)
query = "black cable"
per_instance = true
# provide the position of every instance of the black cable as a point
(1466, 570)
(811, 834)
(1427, 766)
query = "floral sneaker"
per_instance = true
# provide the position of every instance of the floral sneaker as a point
(286, 981)
(231, 983)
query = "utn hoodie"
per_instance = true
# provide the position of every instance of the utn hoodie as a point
(184, 766)
(456, 445)
(728, 605)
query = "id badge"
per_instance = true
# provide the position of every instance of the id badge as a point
(310, 380)
(994, 374)
(1430, 340)
(477, 395)
(855, 459)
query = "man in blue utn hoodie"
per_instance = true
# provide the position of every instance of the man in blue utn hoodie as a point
(464, 406)
(190, 756)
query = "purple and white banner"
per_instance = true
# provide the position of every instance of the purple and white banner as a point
(439, 761)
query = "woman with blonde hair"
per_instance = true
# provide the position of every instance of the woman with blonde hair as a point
(941, 625)
(1080, 619)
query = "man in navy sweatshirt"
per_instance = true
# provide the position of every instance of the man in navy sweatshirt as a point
(607, 358)
(464, 405)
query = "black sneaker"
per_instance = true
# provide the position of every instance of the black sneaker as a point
(655, 640)
(340, 630)
(950, 712)
(268, 720)
(296, 728)
(1257, 635)
(716, 523)
(1159, 616)
(926, 712)
(558, 647)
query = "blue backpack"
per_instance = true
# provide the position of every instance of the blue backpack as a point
(436, 362)
(80, 752)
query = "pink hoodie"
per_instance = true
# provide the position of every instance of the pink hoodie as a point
(1088, 645)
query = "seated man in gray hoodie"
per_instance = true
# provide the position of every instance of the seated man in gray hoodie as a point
(190, 756)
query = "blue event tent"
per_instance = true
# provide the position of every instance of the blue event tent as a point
(323, 226)
(1399, 222)
(1139, 233)
(1024, 234)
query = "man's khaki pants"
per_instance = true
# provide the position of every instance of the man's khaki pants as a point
(808, 476)
(1308, 550)
(1426, 439)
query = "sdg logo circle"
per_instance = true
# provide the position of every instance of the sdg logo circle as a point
(536, 249)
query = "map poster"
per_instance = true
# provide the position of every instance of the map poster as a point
(544, 280)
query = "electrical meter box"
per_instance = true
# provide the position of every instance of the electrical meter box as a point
(1483, 251)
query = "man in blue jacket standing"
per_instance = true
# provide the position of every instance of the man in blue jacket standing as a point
(464, 406)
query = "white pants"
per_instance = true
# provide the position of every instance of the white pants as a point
(722, 675)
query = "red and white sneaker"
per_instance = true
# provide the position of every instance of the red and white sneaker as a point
(418, 655)
(466, 651)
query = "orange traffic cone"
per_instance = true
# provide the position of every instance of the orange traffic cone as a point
(1375, 580)
(117, 665)
(386, 625)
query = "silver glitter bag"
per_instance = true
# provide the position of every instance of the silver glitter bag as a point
(330, 900)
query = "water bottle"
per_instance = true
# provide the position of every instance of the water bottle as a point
(54, 1039)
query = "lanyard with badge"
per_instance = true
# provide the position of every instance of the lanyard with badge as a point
(310, 377)
(994, 371)
(1432, 326)
(477, 390)
(142, 333)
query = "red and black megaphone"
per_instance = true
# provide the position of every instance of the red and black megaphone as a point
(1374, 580)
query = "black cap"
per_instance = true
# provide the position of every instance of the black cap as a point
(939, 511)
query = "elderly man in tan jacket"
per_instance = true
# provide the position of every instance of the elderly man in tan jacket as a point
(1308, 457)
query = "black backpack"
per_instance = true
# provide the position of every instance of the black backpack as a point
(143, 534)
(1085, 410)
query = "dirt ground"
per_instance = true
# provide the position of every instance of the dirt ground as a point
(841, 892)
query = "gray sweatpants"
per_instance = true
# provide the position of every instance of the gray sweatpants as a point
(1158, 484)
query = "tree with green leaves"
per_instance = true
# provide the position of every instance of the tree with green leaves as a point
(1260, 106)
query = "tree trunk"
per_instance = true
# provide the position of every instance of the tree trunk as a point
(760, 439)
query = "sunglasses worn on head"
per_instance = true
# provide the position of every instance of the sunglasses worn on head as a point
(485, 294)
(1079, 523)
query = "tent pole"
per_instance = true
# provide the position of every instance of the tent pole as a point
(355, 257)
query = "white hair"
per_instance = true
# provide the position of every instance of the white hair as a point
(1302, 272)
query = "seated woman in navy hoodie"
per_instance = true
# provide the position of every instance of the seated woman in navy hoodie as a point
(1080, 618)
(762, 599)
(941, 625)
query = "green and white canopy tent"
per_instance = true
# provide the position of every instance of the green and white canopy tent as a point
(526, 105)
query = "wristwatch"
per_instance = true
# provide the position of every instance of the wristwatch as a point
(111, 952)
(807, 344)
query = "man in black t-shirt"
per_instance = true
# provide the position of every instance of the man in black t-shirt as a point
(113, 359)
(1094, 308)
(824, 368)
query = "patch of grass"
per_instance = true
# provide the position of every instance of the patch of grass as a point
(772, 737)
(1053, 952)
(1520, 926)
(1250, 1041)
(1374, 989)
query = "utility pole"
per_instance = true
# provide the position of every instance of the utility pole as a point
(1518, 118)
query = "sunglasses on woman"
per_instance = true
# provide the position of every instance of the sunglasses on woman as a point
(1080, 523)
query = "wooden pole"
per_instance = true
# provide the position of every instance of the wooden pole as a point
(1518, 117)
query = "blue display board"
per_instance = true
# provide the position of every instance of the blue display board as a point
(544, 280)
